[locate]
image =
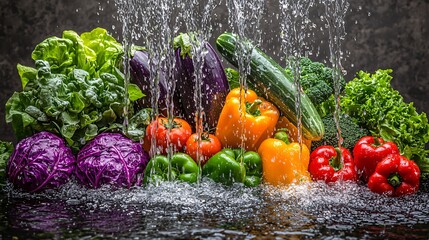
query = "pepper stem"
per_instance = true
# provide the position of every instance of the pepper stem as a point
(376, 142)
(394, 180)
(336, 162)
(254, 107)
(282, 136)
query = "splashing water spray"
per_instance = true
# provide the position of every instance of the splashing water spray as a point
(197, 17)
(335, 12)
(294, 26)
(245, 17)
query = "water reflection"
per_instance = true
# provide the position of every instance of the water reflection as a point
(178, 210)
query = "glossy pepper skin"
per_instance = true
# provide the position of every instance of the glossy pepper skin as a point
(292, 131)
(368, 152)
(281, 162)
(225, 167)
(257, 124)
(183, 168)
(395, 176)
(325, 164)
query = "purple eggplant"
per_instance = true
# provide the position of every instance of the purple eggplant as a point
(140, 75)
(214, 84)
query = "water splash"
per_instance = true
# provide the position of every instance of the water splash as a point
(335, 12)
(124, 10)
(295, 26)
(245, 17)
(198, 17)
(210, 210)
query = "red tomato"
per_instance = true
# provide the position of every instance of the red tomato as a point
(209, 146)
(179, 134)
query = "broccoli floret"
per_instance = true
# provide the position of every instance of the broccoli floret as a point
(350, 132)
(318, 92)
(317, 82)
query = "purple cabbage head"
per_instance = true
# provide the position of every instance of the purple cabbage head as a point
(42, 161)
(111, 158)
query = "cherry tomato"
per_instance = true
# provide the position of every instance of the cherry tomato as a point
(178, 135)
(209, 146)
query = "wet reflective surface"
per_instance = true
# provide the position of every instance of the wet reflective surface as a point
(176, 210)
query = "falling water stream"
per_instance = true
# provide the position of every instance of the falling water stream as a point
(198, 21)
(175, 210)
(244, 18)
(335, 12)
(295, 26)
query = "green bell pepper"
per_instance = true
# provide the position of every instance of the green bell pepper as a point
(225, 167)
(183, 168)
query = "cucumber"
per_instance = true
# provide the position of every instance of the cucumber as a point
(269, 80)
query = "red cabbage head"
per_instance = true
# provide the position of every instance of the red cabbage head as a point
(41, 161)
(111, 158)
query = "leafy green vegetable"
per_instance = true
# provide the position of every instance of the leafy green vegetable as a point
(138, 123)
(75, 90)
(6, 149)
(134, 92)
(95, 52)
(317, 81)
(371, 101)
(73, 105)
(350, 132)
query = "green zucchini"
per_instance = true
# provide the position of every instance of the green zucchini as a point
(269, 80)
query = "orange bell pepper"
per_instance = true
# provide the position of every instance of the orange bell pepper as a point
(253, 117)
(282, 162)
(292, 131)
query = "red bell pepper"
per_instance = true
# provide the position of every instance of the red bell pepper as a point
(369, 151)
(395, 176)
(325, 164)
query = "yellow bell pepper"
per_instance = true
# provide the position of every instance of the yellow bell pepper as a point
(292, 131)
(282, 162)
(253, 117)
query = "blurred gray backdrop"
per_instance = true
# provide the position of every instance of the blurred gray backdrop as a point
(380, 34)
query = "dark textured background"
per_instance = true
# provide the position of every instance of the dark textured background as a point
(380, 34)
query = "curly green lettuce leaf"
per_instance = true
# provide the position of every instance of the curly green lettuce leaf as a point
(134, 92)
(371, 101)
(95, 52)
(107, 50)
(59, 52)
(26, 74)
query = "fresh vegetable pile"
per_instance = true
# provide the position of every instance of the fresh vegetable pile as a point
(69, 115)
(373, 104)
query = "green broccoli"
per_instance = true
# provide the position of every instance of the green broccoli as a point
(350, 132)
(317, 81)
